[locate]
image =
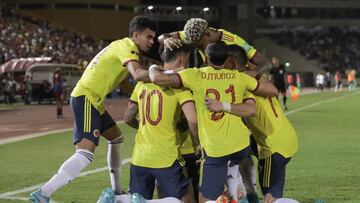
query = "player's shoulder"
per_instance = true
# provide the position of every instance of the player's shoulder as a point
(124, 42)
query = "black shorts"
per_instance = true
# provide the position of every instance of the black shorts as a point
(281, 87)
(272, 174)
(88, 123)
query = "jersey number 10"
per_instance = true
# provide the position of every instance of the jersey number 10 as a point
(145, 107)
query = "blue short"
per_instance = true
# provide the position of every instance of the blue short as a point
(88, 123)
(214, 172)
(272, 174)
(172, 180)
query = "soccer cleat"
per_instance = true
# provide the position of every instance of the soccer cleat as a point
(36, 197)
(243, 200)
(107, 196)
(253, 198)
(137, 198)
(222, 199)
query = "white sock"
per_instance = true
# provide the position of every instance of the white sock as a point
(234, 183)
(69, 170)
(248, 172)
(114, 163)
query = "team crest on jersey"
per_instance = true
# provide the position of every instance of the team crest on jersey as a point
(135, 52)
(96, 133)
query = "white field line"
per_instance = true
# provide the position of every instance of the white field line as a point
(320, 102)
(33, 135)
(9, 195)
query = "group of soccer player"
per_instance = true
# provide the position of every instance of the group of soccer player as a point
(217, 112)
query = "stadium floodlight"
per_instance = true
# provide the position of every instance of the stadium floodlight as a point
(150, 7)
(179, 8)
(206, 9)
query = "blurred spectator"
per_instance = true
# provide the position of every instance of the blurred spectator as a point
(338, 81)
(298, 81)
(320, 80)
(8, 86)
(27, 90)
(328, 80)
(58, 92)
(351, 80)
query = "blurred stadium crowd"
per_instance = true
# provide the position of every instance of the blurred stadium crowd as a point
(335, 48)
(25, 36)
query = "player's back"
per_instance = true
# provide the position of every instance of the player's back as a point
(220, 133)
(157, 139)
(271, 129)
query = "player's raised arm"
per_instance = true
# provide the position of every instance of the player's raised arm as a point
(265, 89)
(130, 115)
(245, 109)
(159, 78)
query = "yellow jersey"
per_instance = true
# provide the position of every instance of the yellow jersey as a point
(271, 129)
(106, 70)
(157, 141)
(220, 134)
(229, 39)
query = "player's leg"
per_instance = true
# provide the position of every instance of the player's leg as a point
(112, 133)
(141, 181)
(272, 176)
(235, 185)
(284, 96)
(192, 171)
(213, 172)
(86, 137)
(174, 183)
(248, 172)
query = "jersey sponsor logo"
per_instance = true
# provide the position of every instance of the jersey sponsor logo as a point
(96, 133)
(217, 76)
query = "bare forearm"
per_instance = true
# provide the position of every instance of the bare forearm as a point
(130, 116)
(243, 110)
(194, 131)
(142, 75)
(262, 62)
(266, 89)
(167, 80)
(134, 123)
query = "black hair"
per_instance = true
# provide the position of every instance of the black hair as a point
(238, 53)
(140, 23)
(217, 53)
(168, 55)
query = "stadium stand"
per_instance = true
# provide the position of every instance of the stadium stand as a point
(334, 48)
(26, 36)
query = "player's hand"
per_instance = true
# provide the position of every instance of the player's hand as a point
(171, 43)
(198, 151)
(214, 105)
